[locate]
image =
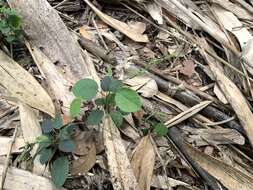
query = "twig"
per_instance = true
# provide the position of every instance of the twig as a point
(6, 165)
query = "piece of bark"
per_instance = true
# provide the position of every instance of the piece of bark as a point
(47, 32)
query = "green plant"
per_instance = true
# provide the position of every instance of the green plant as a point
(117, 101)
(10, 24)
(54, 146)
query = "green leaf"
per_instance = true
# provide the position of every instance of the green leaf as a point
(66, 145)
(59, 171)
(58, 121)
(100, 101)
(160, 129)
(45, 154)
(44, 140)
(75, 107)
(66, 132)
(47, 126)
(95, 117)
(110, 99)
(14, 21)
(128, 100)
(86, 89)
(117, 118)
(110, 84)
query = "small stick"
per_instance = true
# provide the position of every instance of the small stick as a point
(6, 165)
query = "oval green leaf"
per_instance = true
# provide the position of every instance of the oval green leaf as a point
(45, 154)
(160, 129)
(95, 117)
(59, 171)
(110, 84)
(47, 126)
(75, 107)
(128, 100)
(117, 118)
(66, 145)
(86, 89)
(58, 121)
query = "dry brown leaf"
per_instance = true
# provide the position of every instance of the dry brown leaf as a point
(5, 141)
(232, 94)
(188, 68)
(119, 165)
(21, 85)
(139, 27)
(164, 182)
(230, 177)
(219, 94)
(143, 161)
(31, 129)
(85, 162)
(155, 11)
(187, 114)
(210, 136)
(87, 35)
(118, 25)
(24, 180)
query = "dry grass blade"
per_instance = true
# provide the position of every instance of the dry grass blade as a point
(118, 25)
(143, 161)
(187, 114)
(23, 86)
(230, 177)
(121, 171)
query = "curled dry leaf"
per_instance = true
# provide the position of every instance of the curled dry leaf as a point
(230, 177)
(143, 161)
(143, 84)
(21, 85)
(120, 26)
(86, 34)
(85, 162)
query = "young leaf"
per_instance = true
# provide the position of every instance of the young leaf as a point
(47, 126)
(66, 145)
(117, 118)
(58, 121)
(100, 101)
(14, 21)
(44, 140)
(86, 89)
(45, 154)
(128, 100)
(110, 84)
(59, 171)
(75, 107)
(95, 117)
(160, 129)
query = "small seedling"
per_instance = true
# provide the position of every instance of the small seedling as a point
(54, 146)
(160, 130)
(10, 24)
(118, 100)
